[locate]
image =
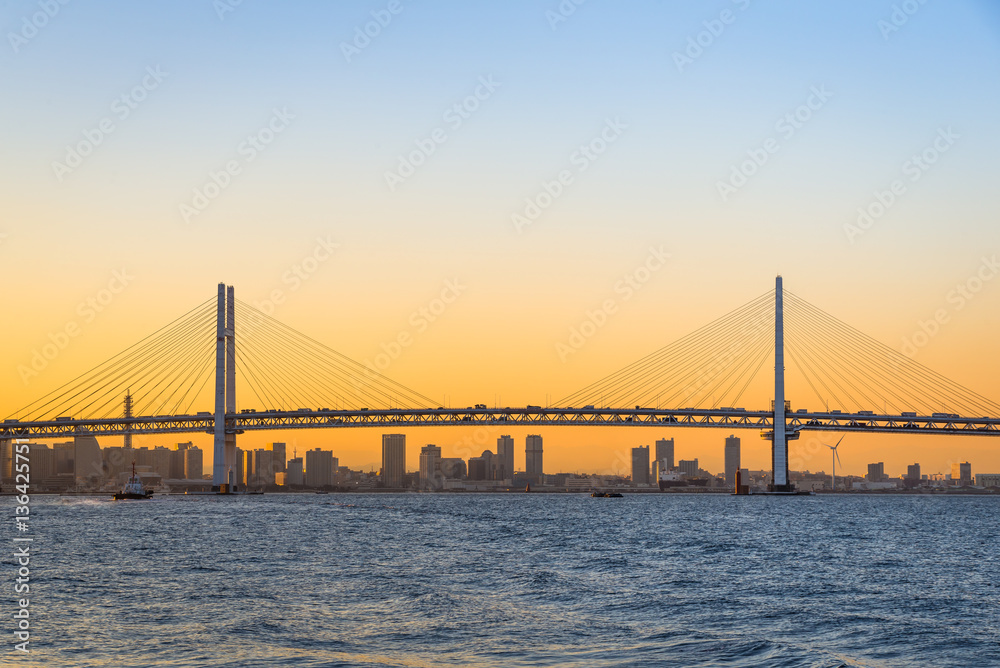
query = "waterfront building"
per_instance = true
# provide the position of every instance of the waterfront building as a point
(688, 467)
(430, 465)
(280, 455)
(505, 456)
(393, 460)
(319, 468)
(876, 472)
(665, 451)
(640, 465)
(88, 465)
(295, 472)
(732, 453)
(533, 458)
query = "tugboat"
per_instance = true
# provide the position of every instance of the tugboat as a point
(134, 488)
(606, 495)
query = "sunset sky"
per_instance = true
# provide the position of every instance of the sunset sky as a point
(154, 150)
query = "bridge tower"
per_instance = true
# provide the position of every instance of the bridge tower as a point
(779, 436)
(224, 478)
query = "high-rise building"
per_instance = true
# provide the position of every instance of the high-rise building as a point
(319, 468)
(42, 463)
(665, 450)
(640, 465)
(87, 461)
(393, 460)
(294, 472)
(961, 474)
(913, 472)
(279, 455)
(194, 465)
(732, 459)
(533, 457)
(876, 472)
(430, 465)
(688, 467)
(260, 473)
(505, 456)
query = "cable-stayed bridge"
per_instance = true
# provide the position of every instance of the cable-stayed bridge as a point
(295, 382)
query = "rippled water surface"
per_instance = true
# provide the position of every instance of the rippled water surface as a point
(514, 580)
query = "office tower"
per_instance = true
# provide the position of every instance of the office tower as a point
(279, 455)
(319, 468)
(961, 474)
(665, 450)
(194, 465)
(393, 460)
(294, 472)
(87, 461)
(876, 472)
(688, 467)
(913, 472)
(640, 465)
(533, 457)
(732, 459)
(505, 454)
(430, 464)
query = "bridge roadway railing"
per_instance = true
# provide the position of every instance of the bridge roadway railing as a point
(271, 420)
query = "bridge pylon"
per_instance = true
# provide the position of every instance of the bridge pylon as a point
(225, 477)
(779, 435)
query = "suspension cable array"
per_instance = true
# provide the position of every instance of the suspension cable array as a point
(285, 369)
(165, 373)
(711, 367)
(853, 371)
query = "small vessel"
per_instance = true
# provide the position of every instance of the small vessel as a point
(606, 495)
(134, 489)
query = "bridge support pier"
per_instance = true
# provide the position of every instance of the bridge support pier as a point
(224, 477)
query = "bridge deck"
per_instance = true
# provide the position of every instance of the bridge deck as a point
(938, 423)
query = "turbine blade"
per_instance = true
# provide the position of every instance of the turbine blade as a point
(838, 442)
(837, 454)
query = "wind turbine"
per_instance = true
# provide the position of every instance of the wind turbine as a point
(835, 456)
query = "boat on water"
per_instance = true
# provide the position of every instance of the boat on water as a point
(606, 495)
(134, 489)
